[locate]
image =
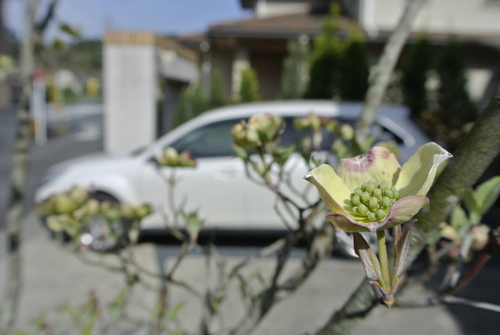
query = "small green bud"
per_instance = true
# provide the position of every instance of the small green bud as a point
(383, 186)
(346, 131)
(356, 200)
(358, 191)
(245, 135)
(388, 193)
(363, 186)
(395, 193)
(372, 217)
(363, 210)
(370, 187)
(381, 214)
(377, 193)
(365, 197)
(373, 204)
(386, 202)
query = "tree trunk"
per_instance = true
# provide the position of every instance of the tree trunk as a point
(385, 67)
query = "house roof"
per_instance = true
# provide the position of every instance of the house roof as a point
(148, 38)
(286, 26)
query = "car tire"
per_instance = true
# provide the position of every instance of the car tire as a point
(94, 239)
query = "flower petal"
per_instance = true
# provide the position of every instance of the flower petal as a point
(349, 225)
(404, 209)
(418, 172)
(378, 164)
(332, 189)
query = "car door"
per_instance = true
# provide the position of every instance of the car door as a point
(214, 187)
(265, 208)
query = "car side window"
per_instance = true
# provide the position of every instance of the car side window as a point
(213, 140)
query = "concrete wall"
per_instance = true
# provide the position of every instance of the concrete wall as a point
(129, 97)
(467, 17)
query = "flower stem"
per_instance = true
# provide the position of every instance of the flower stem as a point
(384, 262)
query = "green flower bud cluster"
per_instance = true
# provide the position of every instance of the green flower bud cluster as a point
(373, 200)
(245, 135)
(170, 157)
(267, 125)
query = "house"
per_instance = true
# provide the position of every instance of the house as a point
(260, 42)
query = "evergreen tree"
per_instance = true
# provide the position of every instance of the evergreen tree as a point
(249, 90)
(217, 96)
(454, 101)
(354, 70)
(295, 74)
(415, 70)
(325, 63)
(191, 104)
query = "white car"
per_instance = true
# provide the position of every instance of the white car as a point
(218, 187)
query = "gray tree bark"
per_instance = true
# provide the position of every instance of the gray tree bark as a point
(385, 67)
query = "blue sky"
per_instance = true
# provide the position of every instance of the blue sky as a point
(160, 16)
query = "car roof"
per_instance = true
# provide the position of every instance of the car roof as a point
(291, 108)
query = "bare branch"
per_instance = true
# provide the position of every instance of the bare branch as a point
(47, 18)
(385, 67)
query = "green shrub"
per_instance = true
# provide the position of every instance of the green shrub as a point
(249, 89)
(191, 104)
(453, 98)
(415, 69)
(354, 70)
(295, 74)
(217, 97)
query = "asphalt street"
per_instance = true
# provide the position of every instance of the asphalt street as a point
(52, 276)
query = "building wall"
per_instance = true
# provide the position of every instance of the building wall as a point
(468, 17)
(129, 97)
(269, 68)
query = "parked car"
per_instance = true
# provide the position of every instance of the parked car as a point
(218, 187)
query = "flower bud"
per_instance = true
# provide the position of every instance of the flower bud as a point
(373, 204)
(363, 210)
(245, 135)
(356, 200)
(346, 132)
(386, 202)
(186, 159)
(381, 214)
(268, 126)
(383, 186)
(63, 204)
(358, 191)
(169, 157)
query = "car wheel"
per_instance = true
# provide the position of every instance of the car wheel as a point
(96, 239)
(346, 246)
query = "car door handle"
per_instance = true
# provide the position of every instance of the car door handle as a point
(228, 173)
